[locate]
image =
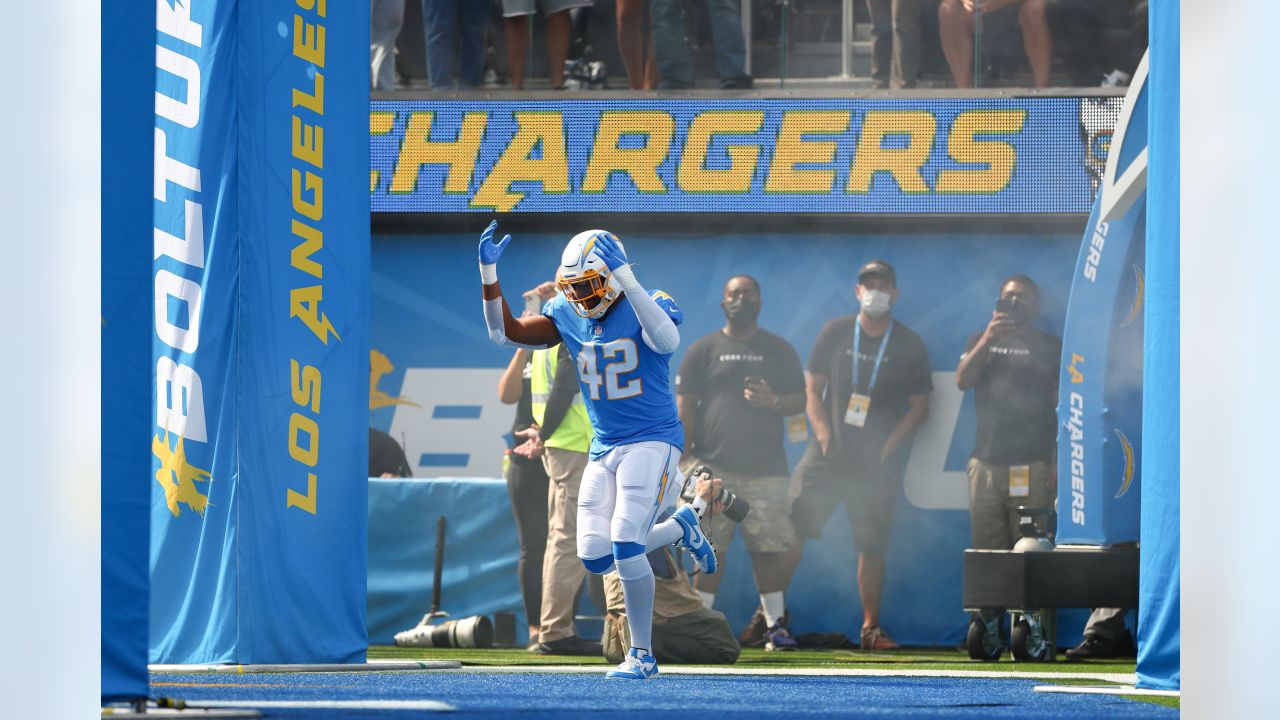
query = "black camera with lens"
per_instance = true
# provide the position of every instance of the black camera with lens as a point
(735, 508)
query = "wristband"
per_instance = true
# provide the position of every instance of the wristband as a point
(699, 506)
(488, 273)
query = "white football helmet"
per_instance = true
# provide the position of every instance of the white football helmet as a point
(583, 277)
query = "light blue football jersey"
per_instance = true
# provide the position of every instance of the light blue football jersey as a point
(625, 383)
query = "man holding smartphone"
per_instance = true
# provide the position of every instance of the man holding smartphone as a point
(1012, 368)
(734, 390)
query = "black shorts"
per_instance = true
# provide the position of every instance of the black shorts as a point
(868, 489)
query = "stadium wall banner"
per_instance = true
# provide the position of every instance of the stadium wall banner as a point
(260, 333)
(883, 156)
(435, 373)
(1100, 385)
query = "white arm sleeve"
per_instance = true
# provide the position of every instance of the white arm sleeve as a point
(497, 333)
(657, 328)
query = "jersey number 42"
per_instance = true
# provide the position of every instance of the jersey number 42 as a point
(616, 358)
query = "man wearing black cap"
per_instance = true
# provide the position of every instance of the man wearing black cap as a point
(868, 391)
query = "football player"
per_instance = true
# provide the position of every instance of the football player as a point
(622, 338)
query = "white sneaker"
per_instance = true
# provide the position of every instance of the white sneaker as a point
(634, 667)
(694, 540)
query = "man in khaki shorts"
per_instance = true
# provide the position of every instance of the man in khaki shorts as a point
(735, 388)
(1012, 368)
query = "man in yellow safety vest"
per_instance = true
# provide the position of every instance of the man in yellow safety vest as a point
(563, 435)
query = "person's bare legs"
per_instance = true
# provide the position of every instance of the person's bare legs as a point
(1033, 16)
(870, 585)
(955, 25)
(771, 571)
(559, 31)
(630, 22)
(517, 31)
(650, 67)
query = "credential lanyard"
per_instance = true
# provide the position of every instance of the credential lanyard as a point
(857, 344)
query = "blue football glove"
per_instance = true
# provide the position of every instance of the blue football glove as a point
(490, 251)
(610, 252)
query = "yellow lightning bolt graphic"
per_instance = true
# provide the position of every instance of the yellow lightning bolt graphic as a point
(177, 477)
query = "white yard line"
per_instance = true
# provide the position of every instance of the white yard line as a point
(1129, 678)
(373, 666)
(431, 705)
(1115, 690)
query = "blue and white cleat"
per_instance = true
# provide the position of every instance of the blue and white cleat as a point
(634, 667)
(694, 540)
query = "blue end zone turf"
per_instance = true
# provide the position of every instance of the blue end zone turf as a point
(545, 695)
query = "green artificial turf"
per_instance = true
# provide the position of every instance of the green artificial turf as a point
(912, 659)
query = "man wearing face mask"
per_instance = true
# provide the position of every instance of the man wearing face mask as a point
(868, 391)
(734, 390)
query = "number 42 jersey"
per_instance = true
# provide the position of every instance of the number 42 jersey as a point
(626, 384)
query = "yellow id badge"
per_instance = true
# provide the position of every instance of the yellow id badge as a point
(859, 406)
(1019, 480)
(797, 429)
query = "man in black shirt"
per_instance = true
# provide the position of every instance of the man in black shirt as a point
(386, 457)
(868, 392)
(734, 389)
(1013, 370)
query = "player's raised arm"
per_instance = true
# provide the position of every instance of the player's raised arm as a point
(659, 330)
(504, 328)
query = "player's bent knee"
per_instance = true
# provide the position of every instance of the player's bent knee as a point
(594, 545)
(600, 565)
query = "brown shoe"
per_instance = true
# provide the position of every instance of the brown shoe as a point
(874, 638)
(753, 635)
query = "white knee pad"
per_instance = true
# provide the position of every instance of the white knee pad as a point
(593, 545)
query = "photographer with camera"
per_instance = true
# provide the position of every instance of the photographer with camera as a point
(1012, 368)
(684, 631)
(734, 390)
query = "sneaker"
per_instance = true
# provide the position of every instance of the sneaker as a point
(572, 645)
(753, 635)
(874, 638)
(779, 638)
(694, 540)
(634, 667)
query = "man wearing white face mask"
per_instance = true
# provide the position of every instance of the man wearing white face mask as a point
(867, 392)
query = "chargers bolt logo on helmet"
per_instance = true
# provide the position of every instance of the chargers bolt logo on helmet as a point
(584, 278)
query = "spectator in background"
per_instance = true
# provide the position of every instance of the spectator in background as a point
(642, 71)
(527, 480)
(868, 392)
(734, 389)
(1100, 42)
(516, 15)
(895, 42)
(674, 68)
(385, 19)
(527, 485)
(1012, 368)
(386, 457)
(956, 22)
(562, 437)
(684, 630)
(455, 42)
